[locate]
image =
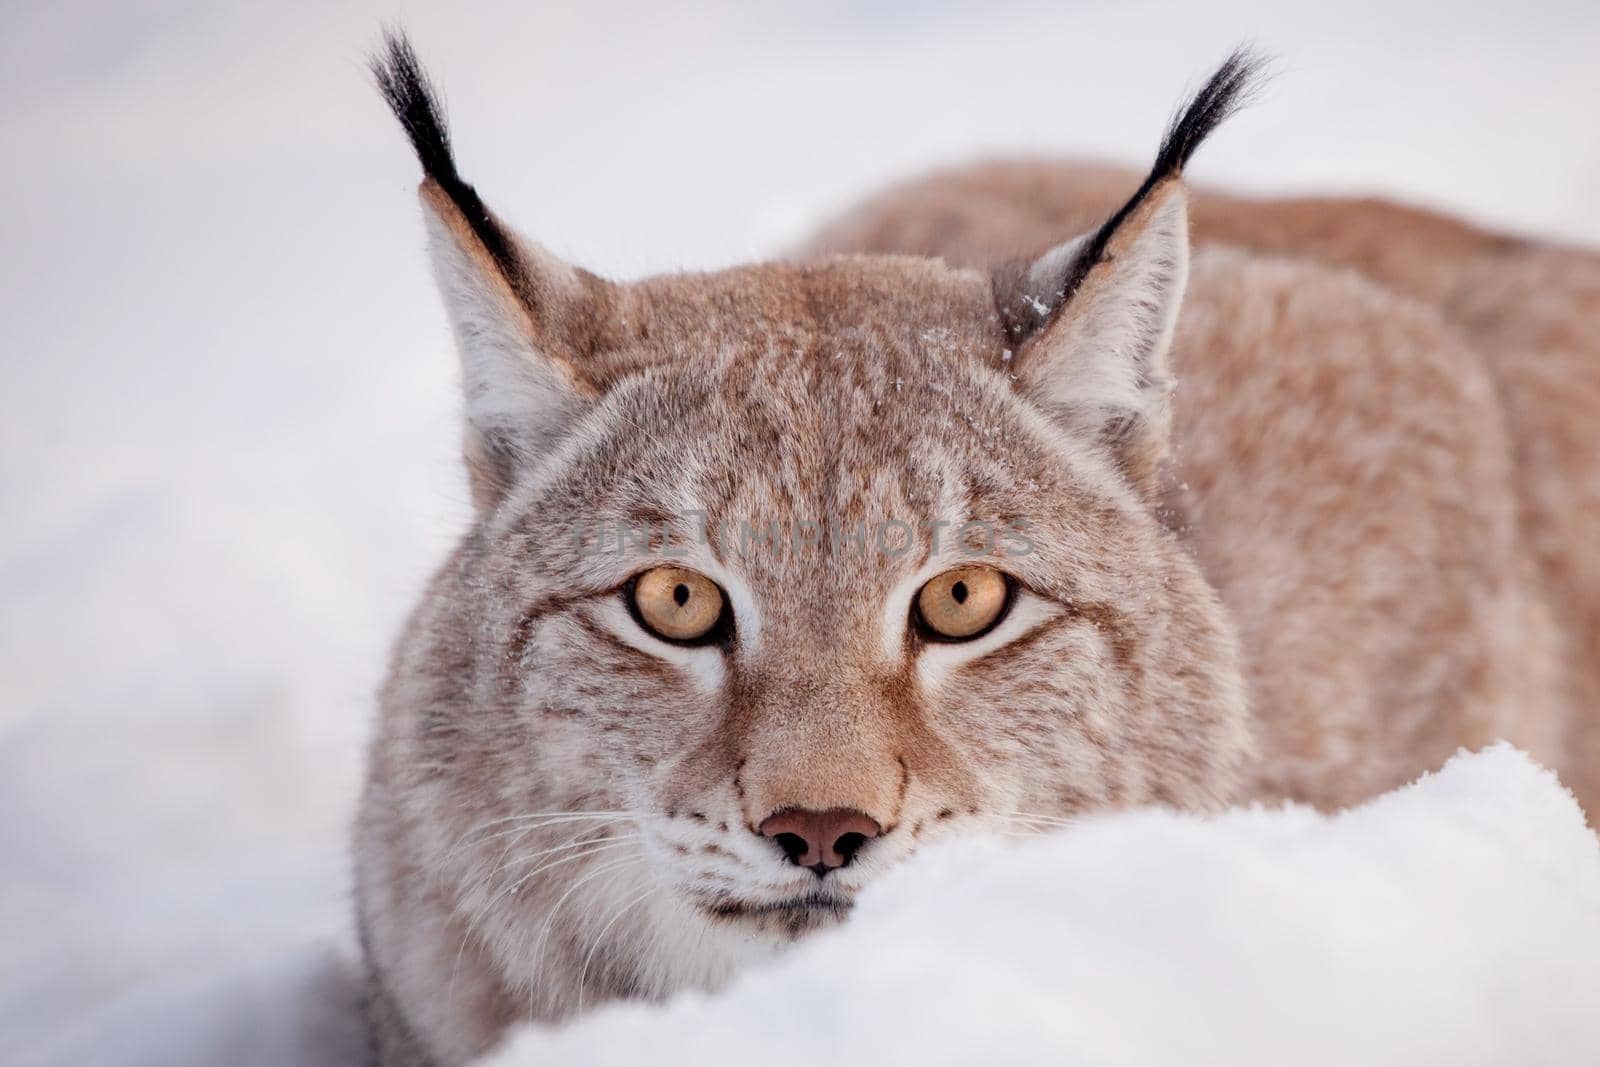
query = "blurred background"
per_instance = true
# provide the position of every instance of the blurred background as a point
(228, 409)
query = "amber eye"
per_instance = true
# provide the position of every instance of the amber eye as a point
(963, 603)
(677, 604)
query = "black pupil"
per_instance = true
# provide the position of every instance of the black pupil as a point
(680, 594)
(957, 591)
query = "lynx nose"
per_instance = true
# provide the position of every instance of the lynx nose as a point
(821, 840)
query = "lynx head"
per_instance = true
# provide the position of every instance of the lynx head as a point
(778, 573)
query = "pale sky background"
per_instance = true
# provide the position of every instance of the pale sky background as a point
(227, 394)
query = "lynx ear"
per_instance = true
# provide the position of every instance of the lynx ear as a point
(1092, 319)
(523, 319)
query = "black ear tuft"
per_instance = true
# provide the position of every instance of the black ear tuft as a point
(415, 102)
(1231, 88)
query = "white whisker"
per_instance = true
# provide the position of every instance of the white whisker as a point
(575, 841)
(544, 931)
(538, 818)
(1033, 817)
(591, 848)
(583, 973)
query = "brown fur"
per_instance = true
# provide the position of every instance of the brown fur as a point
(1304, 539)
(1502, 395)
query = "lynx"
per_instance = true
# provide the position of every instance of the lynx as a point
(996, 506)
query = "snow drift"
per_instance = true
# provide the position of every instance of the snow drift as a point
(1456, 920)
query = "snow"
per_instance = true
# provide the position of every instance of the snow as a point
(229, 426)
(1454, 921)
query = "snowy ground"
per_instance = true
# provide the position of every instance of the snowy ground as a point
(227, 407)
(1456, 921)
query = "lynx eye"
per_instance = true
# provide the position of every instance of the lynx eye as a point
(963, 603)
(677, 605)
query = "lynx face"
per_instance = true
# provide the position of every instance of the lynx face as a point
(805, 480)
(778, 574)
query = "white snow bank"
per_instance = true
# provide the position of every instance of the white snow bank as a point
(1454, 921)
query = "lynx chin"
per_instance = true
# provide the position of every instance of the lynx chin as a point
(1362, 531)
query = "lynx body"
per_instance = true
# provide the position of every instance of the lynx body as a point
(913, 537)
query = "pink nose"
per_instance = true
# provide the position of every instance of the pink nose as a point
(821, 840)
